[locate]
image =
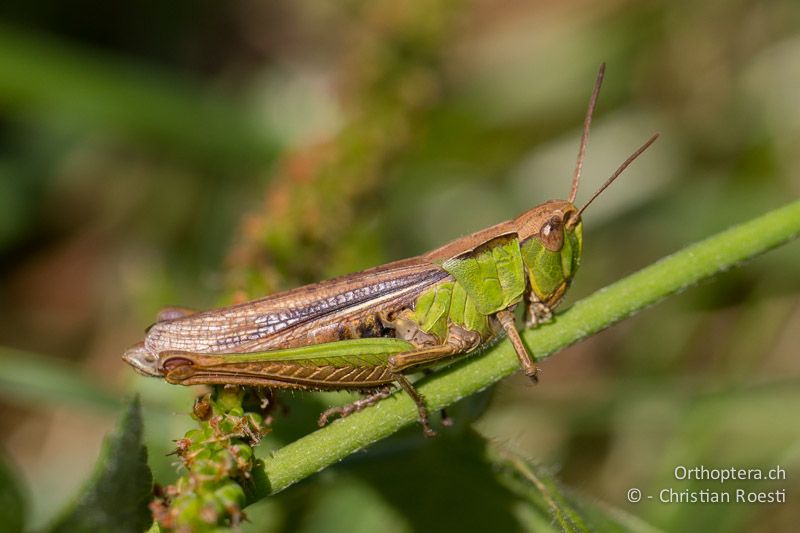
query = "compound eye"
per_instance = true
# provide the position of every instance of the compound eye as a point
(552, 234)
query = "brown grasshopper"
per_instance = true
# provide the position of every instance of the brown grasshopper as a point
(366, 331)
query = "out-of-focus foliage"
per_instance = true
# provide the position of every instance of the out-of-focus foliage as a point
(117, 497)
(193, 152)
(12, 502)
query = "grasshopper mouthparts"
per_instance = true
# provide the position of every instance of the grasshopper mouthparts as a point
(142, 360)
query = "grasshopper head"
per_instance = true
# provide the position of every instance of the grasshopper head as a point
(551, 234)
(551, 245)
(142, 360)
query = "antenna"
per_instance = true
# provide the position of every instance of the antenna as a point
(576, 176)
(617, 172)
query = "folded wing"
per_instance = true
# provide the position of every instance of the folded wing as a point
(297, 317)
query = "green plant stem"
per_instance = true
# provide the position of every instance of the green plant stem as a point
(608, 306)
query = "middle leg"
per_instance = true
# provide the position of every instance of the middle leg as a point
(506, 319)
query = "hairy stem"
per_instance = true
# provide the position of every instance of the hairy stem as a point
(607, 306)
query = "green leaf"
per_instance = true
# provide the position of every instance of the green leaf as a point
(431, 477)
(41, 76)
(12, 502)
(553, 504)
(541, 490)
(117, 497)
(33, 379)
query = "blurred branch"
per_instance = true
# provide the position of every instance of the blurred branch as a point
(388, 82)
(608, 306)
(49, 79)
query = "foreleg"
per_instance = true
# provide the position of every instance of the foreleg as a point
(506, 319)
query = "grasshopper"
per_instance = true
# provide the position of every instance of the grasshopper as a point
(367, 331)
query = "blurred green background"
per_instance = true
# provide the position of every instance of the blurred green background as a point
(197, 153)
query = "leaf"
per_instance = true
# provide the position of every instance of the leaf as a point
(12, 502)
(542, 491)
(117, 497)
(431, 478)
(548, 499)
(30, 378)
(41, 76)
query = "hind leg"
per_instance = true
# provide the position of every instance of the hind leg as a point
(397, 364)
(459, 341)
